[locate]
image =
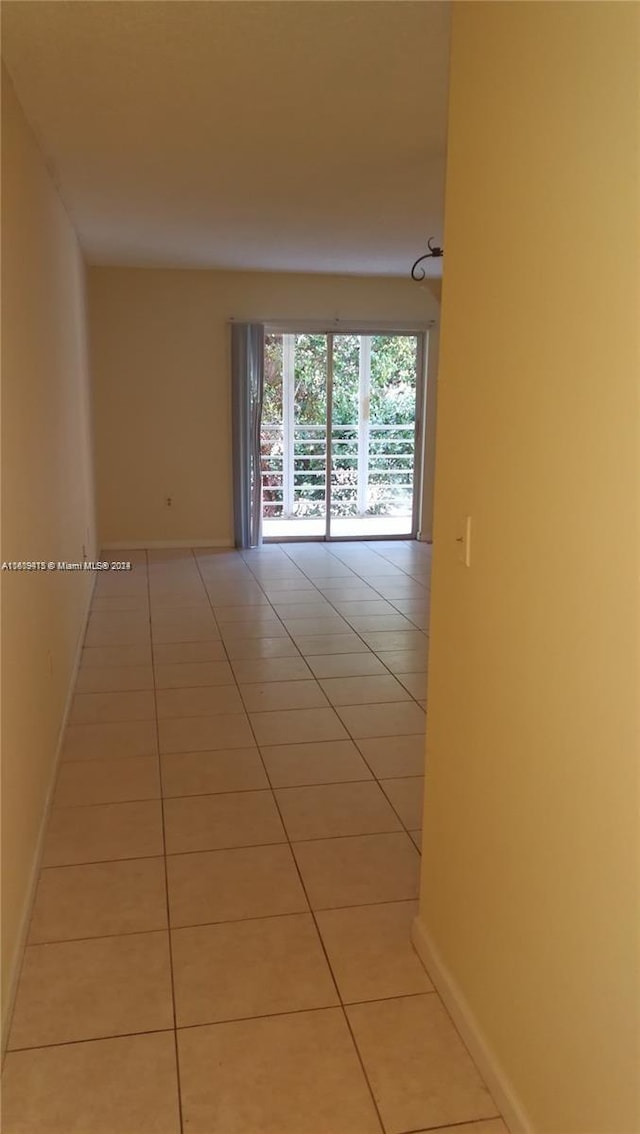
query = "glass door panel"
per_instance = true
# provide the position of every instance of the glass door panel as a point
(361, 391)
(293, 436)
(309, 434)
(272, 438)
(373, 435)
(345, 418)
(392, 431)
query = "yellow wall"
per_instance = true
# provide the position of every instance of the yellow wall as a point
(160, 367)
(47, 498)
(530, 876)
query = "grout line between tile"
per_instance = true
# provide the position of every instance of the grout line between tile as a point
(90, 1039)
(323, 947)
(450, 1125)
(166, 877)
(223, 921)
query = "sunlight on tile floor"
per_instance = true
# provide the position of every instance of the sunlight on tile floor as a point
(220, 941)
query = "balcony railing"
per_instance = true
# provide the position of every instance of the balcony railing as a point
(374, 477)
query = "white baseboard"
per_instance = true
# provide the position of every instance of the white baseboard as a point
(488, 1064)
(159, 544)
(16, 964)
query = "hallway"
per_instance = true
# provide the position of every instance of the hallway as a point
(243, 764)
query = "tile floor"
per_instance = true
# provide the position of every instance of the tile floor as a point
(220, 941)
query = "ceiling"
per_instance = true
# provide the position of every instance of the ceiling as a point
(275, 136)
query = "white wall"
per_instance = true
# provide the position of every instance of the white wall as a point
(47, 500)
(160, 367)
(530, 886)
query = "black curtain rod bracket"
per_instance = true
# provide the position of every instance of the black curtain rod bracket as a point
(434, 253)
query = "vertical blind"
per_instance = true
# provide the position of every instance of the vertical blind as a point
(247, 385)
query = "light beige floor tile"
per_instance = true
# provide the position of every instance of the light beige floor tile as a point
(228, 885)
(284, 569)
(415, 683)
(406, 796)
(236, 595)
(349, 591)
(179, 626)
(117, 630)
(102, 833)
(249, 968)
(205, 773)
(319, 762)
(203, 701)
(421, 621)
(279, 592)
(283, 572)
(82, 782)
(359, 870)
(120, 603)
(114, 1086)
(418, 1067)
(329, 572)
(240, 649)
(99, 900)
(121, 620)
(118, 586)
(77, 990)
(192, 674)
(110, 741)
(389, 641)
(303, 1072)
(263, 627)
(410, 607)
(118, 656)
(405, 661)
(166, 588)
(163, 601)
(345, 665)
(109, 679)
(174, 600)
(335, 809)
(373, 690)
(380, 568)
(102, 708)
(215, 822)
(365, 608)
(390, 756)
(486, 1126)
(370, 951)
(297, 725)
(172, 653)
(315, 608)
(197, 615)
(400, 588)
(331, 644)
(201, 734)
(268, 695)
(226, 615)
(165, 635)
(324, 624)
(258, 670)
(398, 719)
(364, 623)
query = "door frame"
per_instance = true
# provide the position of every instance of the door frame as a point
(421, 332)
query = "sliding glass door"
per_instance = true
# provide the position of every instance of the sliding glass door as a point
(339, 435)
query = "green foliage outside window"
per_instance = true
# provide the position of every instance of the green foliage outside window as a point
(392, 403)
